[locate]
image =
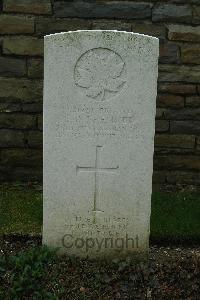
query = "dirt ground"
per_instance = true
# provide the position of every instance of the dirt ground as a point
(173, 272)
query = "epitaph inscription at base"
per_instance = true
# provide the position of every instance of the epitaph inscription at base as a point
(99, 112)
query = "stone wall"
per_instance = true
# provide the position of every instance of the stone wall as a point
(23, 23)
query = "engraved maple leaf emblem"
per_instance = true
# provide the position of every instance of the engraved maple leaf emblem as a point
(100, 72)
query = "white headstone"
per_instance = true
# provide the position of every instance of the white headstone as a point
(99, 111)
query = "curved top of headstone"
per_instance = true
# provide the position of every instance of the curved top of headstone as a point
(99, 31)
(100, 58)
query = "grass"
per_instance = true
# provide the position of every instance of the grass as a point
(175, 216)
(21, 210)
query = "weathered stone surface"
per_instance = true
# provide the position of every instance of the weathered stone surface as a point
(53, 25)
(23, 45)
(1, 42)
(162, 125)
(169, 52)
(24, 90)
(11, 138)
(196, 15)
(177, 162)
(34, 139)
(184, 33)
(111, 25)
(12, 66)
(159, 113)
(174, 141)
(28, 6)
(159, 177)
(173, 73)
(32, 107)
(198, 143)
(175, 1)
(149, 29)
(35, 68)
(10, 24)
(21, 157)
(17, 121)
(25, 174)
(9, 107)
(182, 177)
(174, 101)
(105, 9)
(193, 101)
(185, 127)
(177, 88)
(172, 151)
(170, 12)
(190, 54)
(40, 122)
(182, 114)
(92, 118)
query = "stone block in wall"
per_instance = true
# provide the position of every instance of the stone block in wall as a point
(53, 25)
(11, 66)
(160, 113)
(198, 143)
(159, 177)
(167, 100)
(34, 139)
(21, 157)
(177, 88)
(175, 1)
(1, 43)
(163, 12)
(177, 162)
(182, 177)
(184, 33)
(12, 24)
(9, 107)
(105, 9)
(192, 101)
(169, 52)
(32, 107)
(162, 126)
(28, 6)
(176, 73)
(20, 89)
(174, 150)
(174, 141)
(23, 45)
(40, 122)
(111, 25)
(190, 54)
(157, 30)
(183, 114)
(25, 174)
(35, 67)
(11, 138)
(196, 14)
(17, 121)
(185, 127)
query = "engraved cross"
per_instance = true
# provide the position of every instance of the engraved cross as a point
(96, 170)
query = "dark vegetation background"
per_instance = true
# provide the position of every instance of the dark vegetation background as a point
(23, 23)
